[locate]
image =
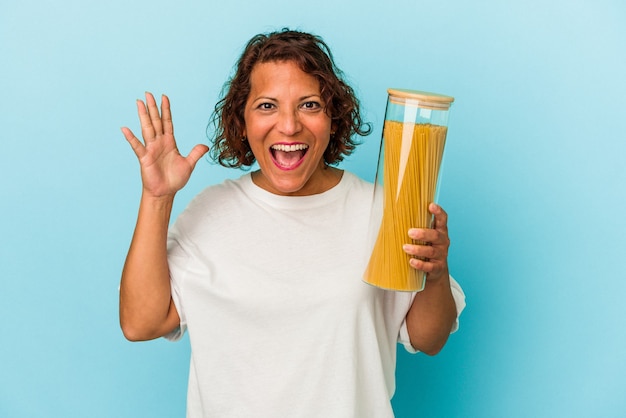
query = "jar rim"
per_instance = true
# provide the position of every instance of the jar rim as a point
(426, 99)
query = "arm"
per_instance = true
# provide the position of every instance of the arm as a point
(433, 312)
(147, 310)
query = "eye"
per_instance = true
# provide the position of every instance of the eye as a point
(312, 105)
(265, 106)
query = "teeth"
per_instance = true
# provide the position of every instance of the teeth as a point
(289, 148)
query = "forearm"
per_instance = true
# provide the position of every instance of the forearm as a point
(431, 316)
(145, 295)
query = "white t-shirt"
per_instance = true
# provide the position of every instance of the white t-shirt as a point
(280, 322)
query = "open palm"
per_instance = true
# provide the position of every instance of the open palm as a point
(164, 171)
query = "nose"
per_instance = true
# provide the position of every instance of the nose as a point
(289, 122)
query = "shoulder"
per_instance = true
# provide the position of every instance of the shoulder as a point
(220, 193)
(356, 184)
(358, 191)
(214, 200)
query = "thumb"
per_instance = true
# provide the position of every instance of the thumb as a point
(196, 153)
(441, 217)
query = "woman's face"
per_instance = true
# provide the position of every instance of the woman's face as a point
(288, 130)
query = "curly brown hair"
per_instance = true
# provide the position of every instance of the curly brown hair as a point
(312, 56)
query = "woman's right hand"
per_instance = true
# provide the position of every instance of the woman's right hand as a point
(164, 171)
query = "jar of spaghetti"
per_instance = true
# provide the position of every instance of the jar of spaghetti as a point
(411, 152)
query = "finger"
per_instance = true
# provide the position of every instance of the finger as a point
(426, 258)
(424, 252)
(166, 116)
(427, 235)
(422, 265)
(153, 111)
(441, 217)
(196, 153)
(147, 130)
(429, 267)
(135, 143)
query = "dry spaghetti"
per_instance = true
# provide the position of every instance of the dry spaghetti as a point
(410, 173)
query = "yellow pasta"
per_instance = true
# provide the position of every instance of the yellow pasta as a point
(410, 173)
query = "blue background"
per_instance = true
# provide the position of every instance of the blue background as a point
(534, 183)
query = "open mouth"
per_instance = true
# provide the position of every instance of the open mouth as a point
(288, 156)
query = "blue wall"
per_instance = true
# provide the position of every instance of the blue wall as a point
(534, 183)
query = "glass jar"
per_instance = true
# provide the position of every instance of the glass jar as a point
(412, 145)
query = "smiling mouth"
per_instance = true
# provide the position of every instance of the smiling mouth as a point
(288, 156)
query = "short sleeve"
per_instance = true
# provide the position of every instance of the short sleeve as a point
(177, 259)
(459, 300)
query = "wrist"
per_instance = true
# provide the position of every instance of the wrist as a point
(148, 195)
(441, 277)
(162, 203)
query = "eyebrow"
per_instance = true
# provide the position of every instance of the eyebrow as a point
(309, 96)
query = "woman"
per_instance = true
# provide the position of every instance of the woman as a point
(264, 272)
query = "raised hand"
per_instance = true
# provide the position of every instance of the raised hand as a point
(431, 257)
(164, 171)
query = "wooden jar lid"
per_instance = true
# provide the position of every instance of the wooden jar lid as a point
(424, 99)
